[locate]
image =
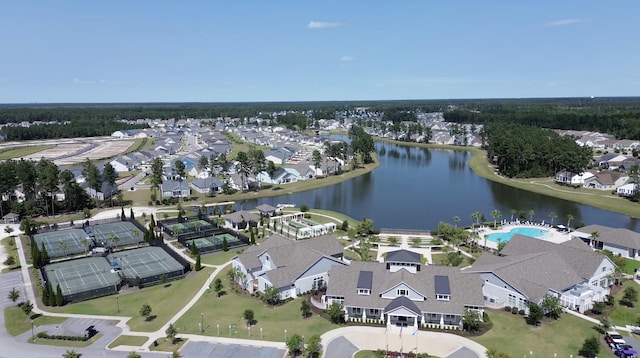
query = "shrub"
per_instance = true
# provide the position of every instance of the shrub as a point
(514, 310)
(507, 308)
(521, 312)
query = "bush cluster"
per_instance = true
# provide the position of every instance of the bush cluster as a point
(45, 335)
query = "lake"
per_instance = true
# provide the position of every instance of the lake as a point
(416, 188)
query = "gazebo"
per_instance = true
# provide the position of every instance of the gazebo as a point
(11, 218)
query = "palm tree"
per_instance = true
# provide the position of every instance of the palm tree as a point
(135, 233)
(114, 240)
(474, 218)
(531, 214)
(71, 354)
(569, 218)
(594, 236)
(495, 214)
(85, 243)
(63, 245)
(456, 219)
(513, 212)
(552, 216)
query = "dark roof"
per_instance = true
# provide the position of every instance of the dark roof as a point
(266, 208)
(442, 285)
(403, 256)
(405, 302)
(365, 279)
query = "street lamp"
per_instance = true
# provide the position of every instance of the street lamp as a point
(260, 332)
(285, 334)
(229, 330)
(201, 322)
(117, 303)
(33, 337)
(218, 327)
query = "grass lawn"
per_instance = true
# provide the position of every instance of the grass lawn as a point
(630, 266)
(227, 311)
(17, 322)
(220, 258)
(23, 151)
(63, 343)
(165, 346)
(165, 302)
(621, 315)
(9, 244)
(125, 340)
(356, 256)
(366, 354)
(510, 334)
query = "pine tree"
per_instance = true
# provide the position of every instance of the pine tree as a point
(122, 216)
(253, 237)
(35, 255)
(225, 245)
(152, 223)
(45, 296)
(59, 298)
(44, 256)
(52, 298)
(194, 249)
(198, 263)
(131, 214)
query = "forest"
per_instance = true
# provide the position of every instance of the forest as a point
(523, 151)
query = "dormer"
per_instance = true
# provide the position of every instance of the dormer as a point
(365, 282)
(403, 259)
(443, 290)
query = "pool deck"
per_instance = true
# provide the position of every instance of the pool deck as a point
(555, 236)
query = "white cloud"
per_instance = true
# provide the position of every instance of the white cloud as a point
(347, 58)
(322, 25)
(565, 22)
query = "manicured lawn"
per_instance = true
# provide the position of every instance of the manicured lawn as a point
(10, 247)
(366, 354)
(219, 258)
(227, 311)
(23, 151)
(165, 346)
(630, 266)
(17, 322)
(63, 343)
(356, 256)
(165, 302)
(510, 334)
(128, 341)
(621, 315)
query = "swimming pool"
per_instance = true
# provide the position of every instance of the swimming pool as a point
(526, 231)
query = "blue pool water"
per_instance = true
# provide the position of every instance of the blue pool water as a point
(526, 231)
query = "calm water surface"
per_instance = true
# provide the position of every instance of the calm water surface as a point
(416, 188)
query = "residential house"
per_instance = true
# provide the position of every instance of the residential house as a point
(606, 180)
(175, 189)
(622, 242)
(268, 210)
(279, 156)
(570, 178)
(528, 269)
(292, 267)
(627, 190)
(106, 190)
(210, 185)
(411, 296)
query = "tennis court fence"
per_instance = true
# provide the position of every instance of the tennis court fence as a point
(241, 240)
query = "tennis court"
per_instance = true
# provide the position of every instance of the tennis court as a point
(215, 242)
(64, 242)
(83, 278)
(189, 226)
(147, 263)
(125, 232)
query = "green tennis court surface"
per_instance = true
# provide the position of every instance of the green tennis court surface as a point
(215, 242)
(83, 278)
(64, 242)
(148, 263)
(125, 232)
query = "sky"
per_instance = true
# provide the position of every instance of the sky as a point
(306, 50)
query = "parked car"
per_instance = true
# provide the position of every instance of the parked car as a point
(615, 337)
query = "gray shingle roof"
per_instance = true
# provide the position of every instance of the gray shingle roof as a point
(466, 289)
(442, 285)
(365, 279)
(615, 236)
(403, 256)
(241, 216)
(533, 266)
(402, 301)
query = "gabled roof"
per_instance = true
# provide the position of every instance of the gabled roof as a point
(241, 216)
(616, 236)
(533, 266)
(400, 302)
(266, 208)
(403, 256)
(466, 289)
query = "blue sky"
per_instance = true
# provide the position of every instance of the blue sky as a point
(236, 51)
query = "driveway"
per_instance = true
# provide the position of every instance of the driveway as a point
(344, 341)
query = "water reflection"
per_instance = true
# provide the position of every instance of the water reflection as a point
(416, 188)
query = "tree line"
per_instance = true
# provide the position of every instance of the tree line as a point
(617, 116)
(75, 128)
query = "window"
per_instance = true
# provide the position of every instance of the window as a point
(604, 268)
(356, 310)
(364, 292)
(374, 311)
(403, 292)
(443, 297)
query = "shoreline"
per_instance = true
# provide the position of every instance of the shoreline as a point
(545, 186)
